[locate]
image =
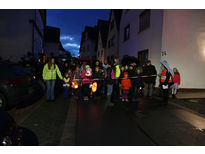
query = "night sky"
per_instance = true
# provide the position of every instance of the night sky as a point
(72, 23)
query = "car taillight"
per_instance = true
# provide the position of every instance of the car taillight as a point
(13, 82)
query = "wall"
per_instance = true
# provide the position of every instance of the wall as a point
(100, 49)
(184, 42)
(15, 33)
(88, 53)
(51, 47)
(147, 39)
(114, 50)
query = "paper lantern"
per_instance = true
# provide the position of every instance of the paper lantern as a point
(94, 87)
(75, 85)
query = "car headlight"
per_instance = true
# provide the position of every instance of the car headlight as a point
(7, 141)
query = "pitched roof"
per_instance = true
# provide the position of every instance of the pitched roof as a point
(103, 28)
(92, 32)
(117, 15)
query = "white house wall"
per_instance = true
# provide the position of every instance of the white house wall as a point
(148, 39)
(184, 43)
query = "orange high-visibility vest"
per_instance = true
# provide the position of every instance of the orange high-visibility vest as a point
(163, 77)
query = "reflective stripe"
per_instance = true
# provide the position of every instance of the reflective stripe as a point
(51, 70)
(66, 85)
(163, 77)
(66, 80)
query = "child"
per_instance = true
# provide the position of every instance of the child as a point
(122, 70)
(86, 76)
(138, 82)
(98, 75)
(76, 77)
(176, 80)
(66, 85)
(70, 73)
(126, 86)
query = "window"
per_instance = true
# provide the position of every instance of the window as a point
(144, 20)
(112, 25)
(127, 32)
(143, 56)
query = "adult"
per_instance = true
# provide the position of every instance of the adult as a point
(149, 82)
(115, 93)
(49, 76)
(165, 81)
(109, 79)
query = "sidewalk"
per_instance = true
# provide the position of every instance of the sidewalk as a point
(197, 105)
(190, 94)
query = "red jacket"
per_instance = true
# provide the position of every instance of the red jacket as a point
(176, 78)
(126, 84)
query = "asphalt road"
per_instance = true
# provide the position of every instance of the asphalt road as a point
(109, 126)
(141, 123)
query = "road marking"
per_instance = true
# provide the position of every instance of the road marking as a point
(69, 131)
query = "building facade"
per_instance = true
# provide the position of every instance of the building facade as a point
(88, 43)
(176, 36)
(103, 27)
(21, 31)
(113, 34)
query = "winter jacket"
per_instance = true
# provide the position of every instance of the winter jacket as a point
(138, 82)
(86, 79)
(149, 70)
(176, 78)
(98, 75)
(76, 75)
(126, 84)
(50, 74)
(117, 71)
(109, 75)
(66, 82)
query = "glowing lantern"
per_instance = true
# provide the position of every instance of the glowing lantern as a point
(74, 85)
(94, 87)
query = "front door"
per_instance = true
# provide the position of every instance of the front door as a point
(143, 56)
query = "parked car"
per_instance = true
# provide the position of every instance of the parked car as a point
(12, 134)
(16, 84)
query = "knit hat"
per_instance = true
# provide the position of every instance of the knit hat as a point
(87, 66)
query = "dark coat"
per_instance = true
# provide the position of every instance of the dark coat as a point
(108, 79)
(149, 70)
(136, 82)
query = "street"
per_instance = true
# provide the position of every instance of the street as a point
(92, 123)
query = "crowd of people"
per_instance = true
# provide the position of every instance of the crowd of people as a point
(113, 80)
